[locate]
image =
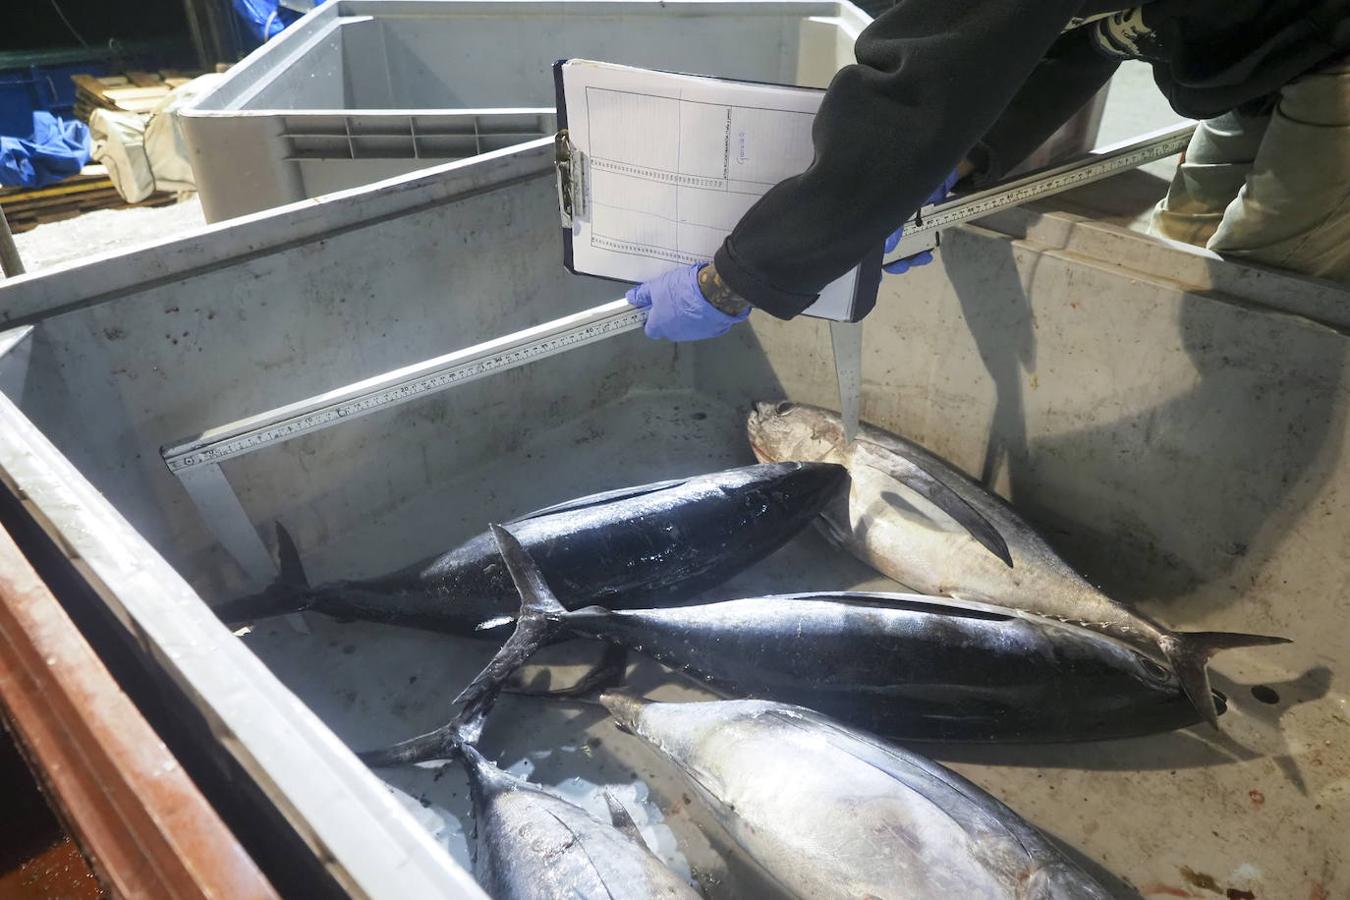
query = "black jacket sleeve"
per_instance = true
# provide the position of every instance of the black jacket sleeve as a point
(1063, 83)
(932, 77)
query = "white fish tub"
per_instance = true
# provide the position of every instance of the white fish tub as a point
(360, 90)
(1176, 425)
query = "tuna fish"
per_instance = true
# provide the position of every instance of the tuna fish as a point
(826, 811)
(886, 523)
(832, 812)
(531, 844)
(900, 665)
(652, 544)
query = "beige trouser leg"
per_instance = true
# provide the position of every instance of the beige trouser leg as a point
(1275, 190)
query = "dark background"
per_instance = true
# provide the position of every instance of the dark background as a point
(37, 25)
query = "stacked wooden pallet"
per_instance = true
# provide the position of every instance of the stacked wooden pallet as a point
(136, 92)
(27, 208)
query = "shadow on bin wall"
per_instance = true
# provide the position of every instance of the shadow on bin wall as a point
(1202, 484)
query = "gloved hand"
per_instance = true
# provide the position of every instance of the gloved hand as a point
(923, 257)
(679, 311)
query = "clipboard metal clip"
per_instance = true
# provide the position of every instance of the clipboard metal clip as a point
(570, 165)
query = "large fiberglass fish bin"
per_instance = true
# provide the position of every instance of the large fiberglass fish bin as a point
(360, 90)
(1174, 424)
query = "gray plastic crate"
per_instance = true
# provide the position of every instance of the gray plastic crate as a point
(361, 90)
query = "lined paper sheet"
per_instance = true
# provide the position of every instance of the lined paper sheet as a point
(674, 161)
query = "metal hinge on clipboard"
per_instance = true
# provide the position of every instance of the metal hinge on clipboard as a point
(570, 165)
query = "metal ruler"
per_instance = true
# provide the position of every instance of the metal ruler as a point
(617, 317)
(921, 234)
(1094, 166)
(394, 388)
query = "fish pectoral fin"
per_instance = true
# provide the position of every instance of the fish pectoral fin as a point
(599, 499)
(919, 480)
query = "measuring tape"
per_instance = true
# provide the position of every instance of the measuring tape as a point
(402, 385)
(1047, 182)
(607, 320)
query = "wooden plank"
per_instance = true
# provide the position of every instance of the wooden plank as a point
(120, 94)
(137, 91)
(47, 209)
(60, 189)
(93, 171)
(141, 821)
(90, 85)
(141, 105)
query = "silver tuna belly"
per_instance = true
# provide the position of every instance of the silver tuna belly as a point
(833, 814)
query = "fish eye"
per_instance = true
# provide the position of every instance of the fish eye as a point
(785, 407)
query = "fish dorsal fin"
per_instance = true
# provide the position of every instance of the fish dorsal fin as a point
(593, 500)
(622, 820)
(918, 479)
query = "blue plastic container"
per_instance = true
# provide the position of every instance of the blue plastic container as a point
(24, 90)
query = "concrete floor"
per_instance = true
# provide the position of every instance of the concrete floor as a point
(105, 231)
(1134, 106)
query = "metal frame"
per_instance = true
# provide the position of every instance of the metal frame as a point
(34, 297)
(11, 264)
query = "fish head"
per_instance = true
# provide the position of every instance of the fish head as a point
(786, 431)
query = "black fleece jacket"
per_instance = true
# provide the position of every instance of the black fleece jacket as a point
(940, 80)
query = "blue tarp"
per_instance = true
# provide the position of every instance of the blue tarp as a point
(56, 150)
(264, 18)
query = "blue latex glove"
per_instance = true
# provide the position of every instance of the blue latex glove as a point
(923, 257)
(678, 310)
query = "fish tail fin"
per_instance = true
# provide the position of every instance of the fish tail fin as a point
(536, 598)
(1189, 653)
(447, 742)
(287, 594)
(288, 557)
(540, 620)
